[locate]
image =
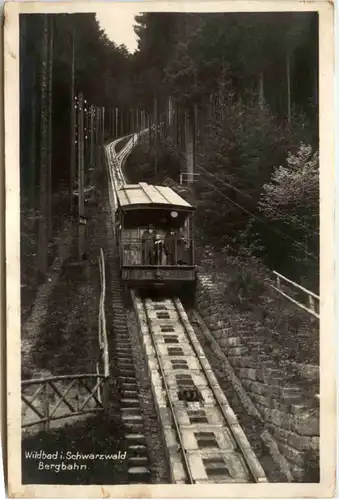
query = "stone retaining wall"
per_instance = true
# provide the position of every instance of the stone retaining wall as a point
(285, 399)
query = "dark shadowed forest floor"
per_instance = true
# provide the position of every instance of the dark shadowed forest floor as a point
(60, 337)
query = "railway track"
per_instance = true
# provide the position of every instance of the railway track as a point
(205, 443)
(204, 439)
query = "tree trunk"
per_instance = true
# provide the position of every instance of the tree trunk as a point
(261, 91)
(316, 87)
(102, 137)
(222, 91)
(156, 136)
(116, 131)
(288, 77)
(97, 136)
(42, 238)
(177, 124)
(50, 129)
(195, 136)
(33, 201)
(121, 123)
(73, 127)
(81, 175)
(189, 146)
(92, 136)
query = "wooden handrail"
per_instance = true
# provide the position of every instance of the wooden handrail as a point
(103, 316)
(310, 311)
(296, 285)
(61, 377)
(312, 297)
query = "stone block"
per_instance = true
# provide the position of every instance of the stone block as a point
(218, 334)
(298, 408)
(306, 425)
(288, 391)
(315, 443)
(300, 443)
(263, 389)
(234, 341)
(262, 400)
(243, 361)
(298, 473)
(249, 373)
(280, 419)
(237, 351)
(294, 456)
(279, 434)
(214, 319)
(278, 404)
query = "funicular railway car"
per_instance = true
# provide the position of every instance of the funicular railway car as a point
(154, 227)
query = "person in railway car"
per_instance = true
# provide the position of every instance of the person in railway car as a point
(181, 248)
(158, 250)
(147, 245)
(170, 247)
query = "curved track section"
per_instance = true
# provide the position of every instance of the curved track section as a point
(205, 443)
(204, 439)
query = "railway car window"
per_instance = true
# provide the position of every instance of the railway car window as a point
(175, 351)
(215, 467)
(206, 440)
(165, 328)
(171, 339)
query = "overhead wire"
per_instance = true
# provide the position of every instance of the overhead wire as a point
(246, 194)
(277, 231)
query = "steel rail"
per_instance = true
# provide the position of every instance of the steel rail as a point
(175, 420)
(186, 324)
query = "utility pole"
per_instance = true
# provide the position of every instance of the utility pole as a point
(109, 124)
(81, 201)
(73, 125)
(116, 122)
(42, 234)
(121, 124)
(86, 134)
(137, 128)
(132, 125)
(149, 126)
(103, 136)
(92, 136)
(288, 73)
(103, 125)
(97, 136)
(189, 148)
(156, 135)
(50, 130)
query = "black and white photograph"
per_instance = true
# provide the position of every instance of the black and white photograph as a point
(169, 195)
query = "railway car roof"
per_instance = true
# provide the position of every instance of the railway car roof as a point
(147, 195)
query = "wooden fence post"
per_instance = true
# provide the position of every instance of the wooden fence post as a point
(46, 424)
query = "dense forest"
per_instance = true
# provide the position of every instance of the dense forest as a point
(230, 97)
